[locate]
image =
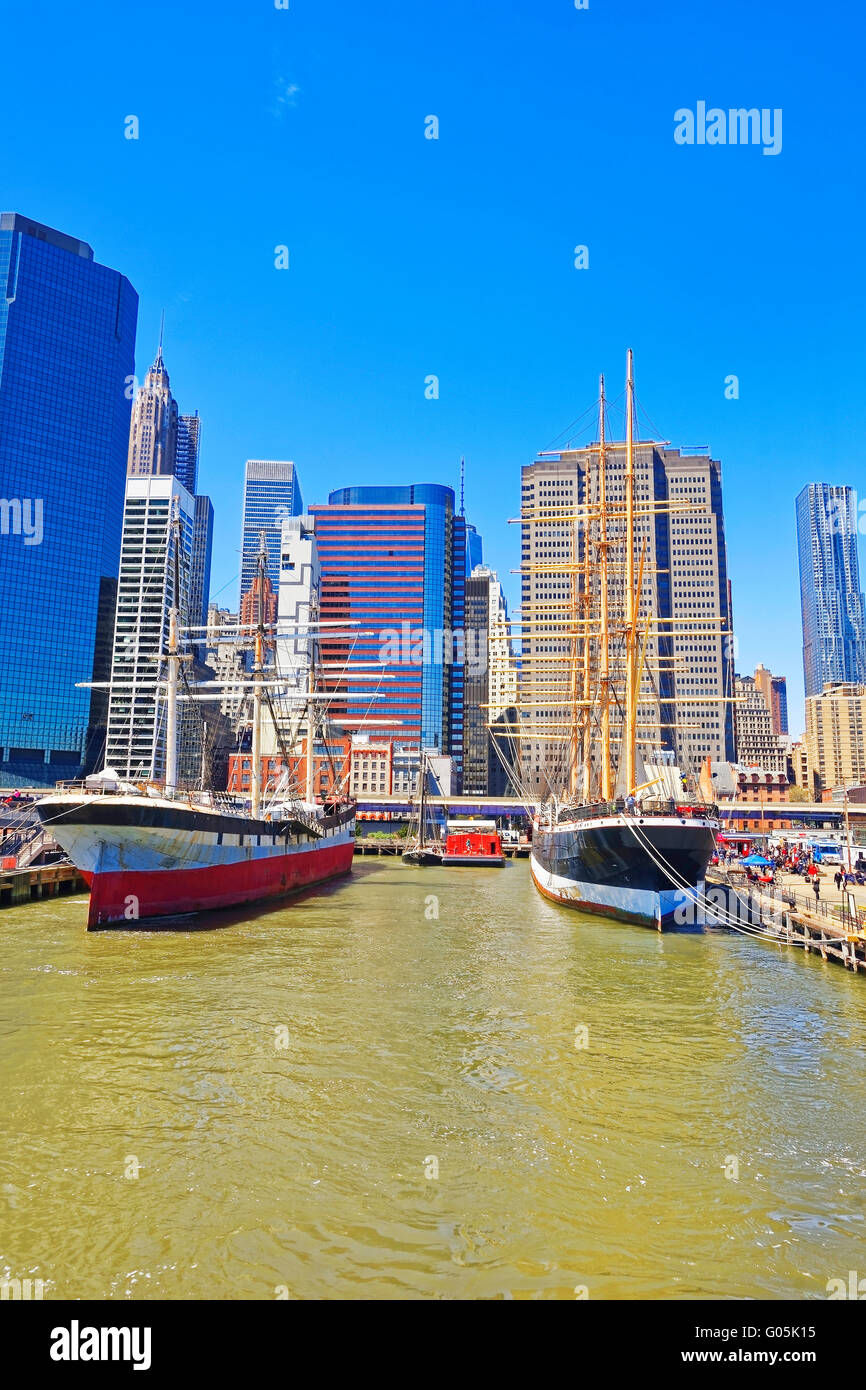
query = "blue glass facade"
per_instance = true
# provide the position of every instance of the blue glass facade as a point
(200, 563)
(832, 602)
(271, 493)
(67, 350)
(187, 451)
(394, 562)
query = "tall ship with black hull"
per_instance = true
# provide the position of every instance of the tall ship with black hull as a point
(621, 836)
(152, 850)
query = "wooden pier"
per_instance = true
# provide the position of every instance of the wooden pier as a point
(776, 916)
(394, 845)
(19, 886)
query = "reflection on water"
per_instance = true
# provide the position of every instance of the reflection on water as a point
(351, 1097)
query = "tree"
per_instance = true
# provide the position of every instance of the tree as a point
(799, 794)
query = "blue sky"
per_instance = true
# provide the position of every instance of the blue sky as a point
(410, 257)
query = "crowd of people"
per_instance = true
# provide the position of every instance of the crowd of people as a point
(790, 859)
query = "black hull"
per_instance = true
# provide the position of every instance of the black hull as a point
(639, 869)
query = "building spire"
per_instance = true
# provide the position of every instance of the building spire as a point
(161, 338)
(462, 481)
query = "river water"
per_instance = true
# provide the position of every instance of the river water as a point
(355, 1097)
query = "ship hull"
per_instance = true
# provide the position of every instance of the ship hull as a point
(474, 861)
(146, 859)
(623, 867)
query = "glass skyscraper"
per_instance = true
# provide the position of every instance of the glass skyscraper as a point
(832, 602)
(271, 493)
(67, 358)
(199, 584)
(186, 452)
(394, 565)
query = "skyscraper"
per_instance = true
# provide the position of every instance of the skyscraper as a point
(186, 454)
(153, 428)
(272, 492)
(836, 735)
(394, 564)
(685, 578)
(775, 692)
(490, 688)
(831, 600)
(200, 562)
(67, 356)
(135, 745)
(163, 443)
(757, 744)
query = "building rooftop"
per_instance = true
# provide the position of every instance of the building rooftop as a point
(16, 222)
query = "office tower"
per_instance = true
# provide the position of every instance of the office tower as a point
(145, 593)
(831, 600)
(394, 566)
(67, 355)
(226, 656)
(298, 600)
(756, 743)
(684, 578)
(259, 604)
(474, 549)
(774, 689)
(271, 493)
(187, 451)
(295, 608)
(836, 735)
(490, 688)
(199, 582)
(153, 427)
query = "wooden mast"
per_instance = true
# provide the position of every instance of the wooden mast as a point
(604, 628)
(577, 716)
(258, 675)
(629, 733)
(586, 712)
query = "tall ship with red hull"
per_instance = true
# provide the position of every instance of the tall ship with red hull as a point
(153, 851)
(146, 857)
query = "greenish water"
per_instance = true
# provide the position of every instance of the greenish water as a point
(412, 1039)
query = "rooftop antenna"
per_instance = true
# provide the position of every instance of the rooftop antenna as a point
(161, 334)
(462, 480)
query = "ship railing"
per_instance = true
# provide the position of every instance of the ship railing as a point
(667, 807)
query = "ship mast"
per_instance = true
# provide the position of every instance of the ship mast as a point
(629, 733)
(310, 787)
(423, 798)
(586, 713)
(258, 673)
(578, 711)
(604, 628)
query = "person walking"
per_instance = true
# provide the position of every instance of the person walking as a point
(816, 889)
(837, 878)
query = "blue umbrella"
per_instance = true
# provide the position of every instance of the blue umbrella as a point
(755, 859)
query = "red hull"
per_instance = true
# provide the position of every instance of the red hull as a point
(483, 861)
(124, 898)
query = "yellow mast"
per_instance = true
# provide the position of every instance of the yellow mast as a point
(586, 713)
(577, 715)
(629, 732)
(604, 632)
